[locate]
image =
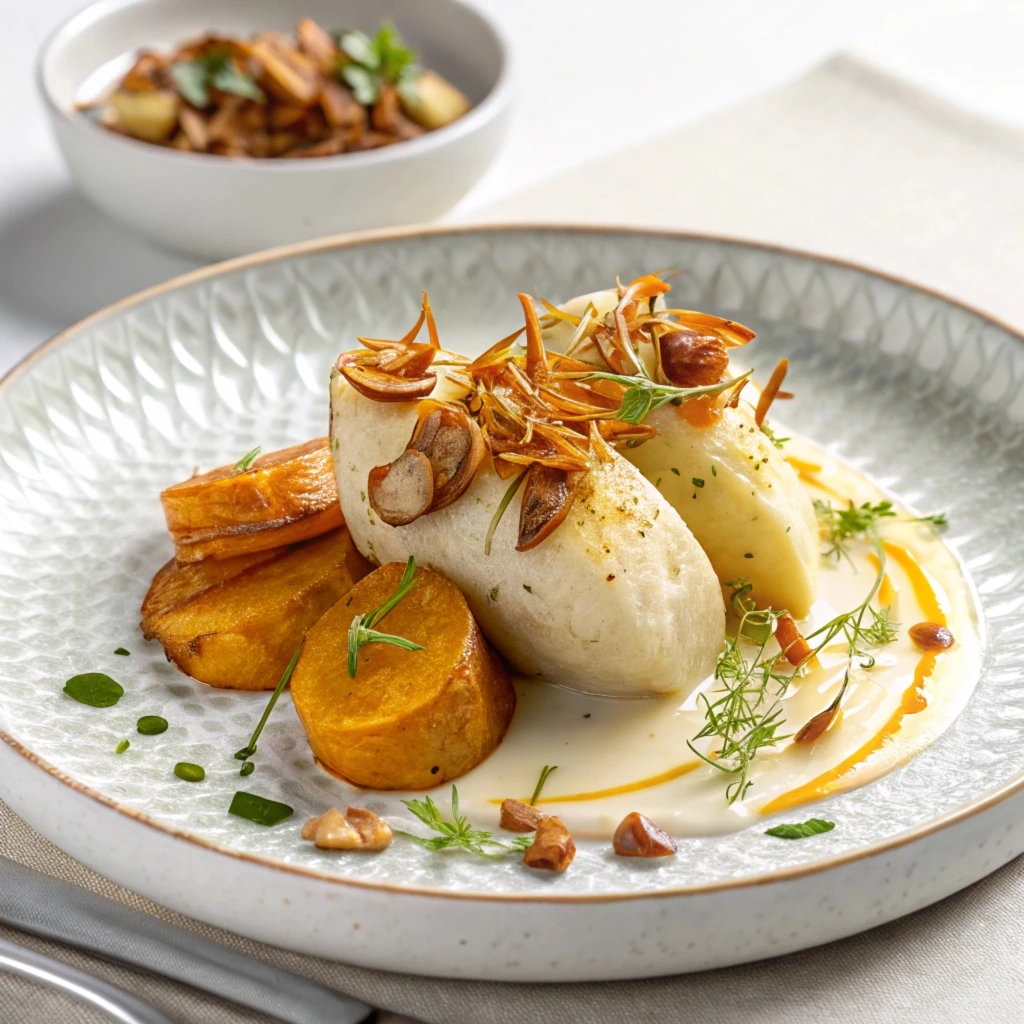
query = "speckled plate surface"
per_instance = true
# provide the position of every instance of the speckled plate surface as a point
(925, 396)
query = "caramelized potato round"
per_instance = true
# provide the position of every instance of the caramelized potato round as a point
(237, 622)
(409, 719)
(284, 497)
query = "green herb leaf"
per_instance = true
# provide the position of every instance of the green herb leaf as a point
(803, 830)
(151, 725)
(544, 773)
(248, 459)
(96, 689)
(643, 394)
(123, 652)
(188, 772)
(190, 79)
(259, 809)
(250, 748)
(228, 78)
(358, 46)
(770, 434)
(859, 522)
(697, 482)
(122, 747)
(212, 70)
(361, 631)
(456, 834)
(364, 84)
(247, 769)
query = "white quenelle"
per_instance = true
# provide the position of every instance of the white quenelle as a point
(619, 599)
(734, 490)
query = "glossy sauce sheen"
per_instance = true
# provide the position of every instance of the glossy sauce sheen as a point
(615, 756)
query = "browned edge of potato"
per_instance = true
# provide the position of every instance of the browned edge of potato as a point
(283, 497)
(409, 719)
(237, 622)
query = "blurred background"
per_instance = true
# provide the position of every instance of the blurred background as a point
(592, 77)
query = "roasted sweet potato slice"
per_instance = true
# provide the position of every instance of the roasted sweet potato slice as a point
(237, 622)
(409, 719)
(282, 498)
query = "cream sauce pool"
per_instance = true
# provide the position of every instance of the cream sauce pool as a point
(615, 756)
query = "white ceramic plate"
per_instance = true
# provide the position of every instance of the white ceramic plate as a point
(925, 396)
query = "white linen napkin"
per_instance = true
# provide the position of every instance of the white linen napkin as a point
(845, 161)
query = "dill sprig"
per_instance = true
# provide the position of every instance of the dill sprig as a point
(744, 715)
(856, 522)
(779, 442)
(644, 395)
(361, 631)
(459, 834)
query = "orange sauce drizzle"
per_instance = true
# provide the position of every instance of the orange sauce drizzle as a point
(804, 468)
(913, 701)
(628, 787)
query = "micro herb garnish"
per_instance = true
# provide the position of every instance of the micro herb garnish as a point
(122, 747)
(188, 772)
(802, 830)
(840, 525)
(744, 716)
(250, 748)
(248, 459)
(151, 725)
(458, 834)
(697, 482)
(366, 63)
(771, 435)
(214, 69)
(643, 395)
(361, 632)
(96, 689)
(544, 773)
(502, 505)
(123, 652)
(259, 809)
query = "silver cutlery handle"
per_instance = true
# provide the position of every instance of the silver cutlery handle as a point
(54, 909)
(77, 984)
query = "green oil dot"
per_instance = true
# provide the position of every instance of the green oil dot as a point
(122, 747)
(189, 772)
(151, 725)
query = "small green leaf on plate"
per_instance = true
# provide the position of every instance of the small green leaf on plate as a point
(151, 725)
(122, 651)
(801, 830)
(96, 689)
(188, 772)
(259, 809)
(247, 768)
(122, 747)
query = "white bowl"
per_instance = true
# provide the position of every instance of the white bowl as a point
(216, 207)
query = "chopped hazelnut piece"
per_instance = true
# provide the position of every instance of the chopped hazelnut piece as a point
(931, 637)
(638, 836)
(553, 848)
(691, 359)
(357, 829)
(519, 817)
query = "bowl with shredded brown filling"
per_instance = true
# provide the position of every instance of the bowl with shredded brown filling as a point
(221, 128)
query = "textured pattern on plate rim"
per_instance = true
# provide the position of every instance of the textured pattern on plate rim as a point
(923, 395)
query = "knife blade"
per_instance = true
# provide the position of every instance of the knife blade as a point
(54, 909)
